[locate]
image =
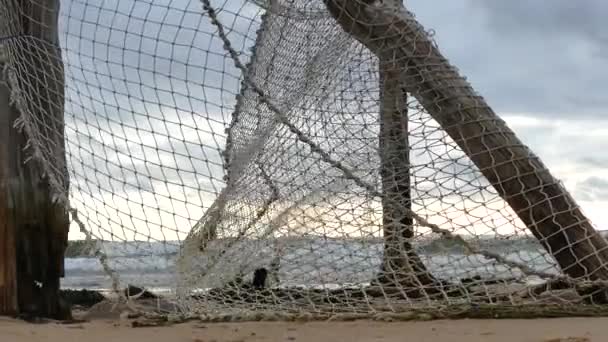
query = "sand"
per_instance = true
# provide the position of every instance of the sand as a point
(538, 330)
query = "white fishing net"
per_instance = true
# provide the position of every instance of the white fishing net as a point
(326, 147)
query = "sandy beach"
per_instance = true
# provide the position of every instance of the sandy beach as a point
(537, 330)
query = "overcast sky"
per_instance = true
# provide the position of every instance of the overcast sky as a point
(543, 68)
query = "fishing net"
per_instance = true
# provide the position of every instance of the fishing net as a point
(289, 156)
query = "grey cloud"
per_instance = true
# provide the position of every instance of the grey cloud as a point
(522, 55)
(517, 64)
(130, 56)
(145, 76)
(527, 56)
(128, 166)
(595, 162)
(583, 18)
(593, 189)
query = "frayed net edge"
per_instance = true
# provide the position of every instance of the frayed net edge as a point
(21, 124)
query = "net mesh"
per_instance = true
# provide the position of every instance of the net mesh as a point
(287, 156)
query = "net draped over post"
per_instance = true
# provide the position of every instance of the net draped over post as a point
(300, 156)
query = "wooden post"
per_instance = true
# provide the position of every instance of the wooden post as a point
(37, 225)
(8, 254)
(401, 266)
(515, 172)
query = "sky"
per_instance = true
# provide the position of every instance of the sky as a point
(543, 69)
(151, 92)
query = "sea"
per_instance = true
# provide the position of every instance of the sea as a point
(315, 262)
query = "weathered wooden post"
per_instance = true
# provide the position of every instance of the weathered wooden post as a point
(518, 176)
(33, 224)
(8, 254)
(401, 266)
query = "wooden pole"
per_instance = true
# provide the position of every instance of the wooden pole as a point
(519, 176)
(8, 254)
(401, 265)
(39, 224)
